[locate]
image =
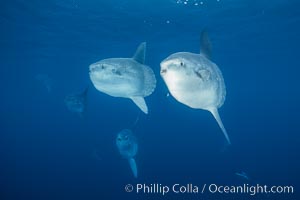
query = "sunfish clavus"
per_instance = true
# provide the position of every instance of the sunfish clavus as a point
(125, 77)
(194, 80)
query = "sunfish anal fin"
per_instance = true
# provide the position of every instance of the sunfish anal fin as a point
(140, 53)
(140, 102)
(215, 113)
(133, 167)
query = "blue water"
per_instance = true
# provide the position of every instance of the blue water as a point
(47, 152)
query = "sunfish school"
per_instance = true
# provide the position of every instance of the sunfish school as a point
(125, 77)
(194, 80)
(128, 147)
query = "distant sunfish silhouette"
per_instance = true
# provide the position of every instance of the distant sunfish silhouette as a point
(194, 80)
(128, 147)
(125, 77)
(243, 175)
(45, 80)
(77, 102)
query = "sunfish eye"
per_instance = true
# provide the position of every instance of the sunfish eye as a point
(181, 64)
(102, 67)
(119, 139)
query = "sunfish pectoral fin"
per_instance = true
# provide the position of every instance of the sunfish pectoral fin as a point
(140, 53)
(215, 113)
(140, 102)
(133, 167)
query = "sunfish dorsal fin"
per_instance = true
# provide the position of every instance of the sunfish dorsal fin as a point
(215, 113)
(140, 102)
(205, 44)
(140, 53)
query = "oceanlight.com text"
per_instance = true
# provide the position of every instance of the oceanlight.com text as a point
(250, 189)
(163, 189)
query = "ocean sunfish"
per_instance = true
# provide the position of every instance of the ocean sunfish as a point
(128, 147)
(125, 77)
(45, 80)
(194, 80)
(243, 175)
(77, 102)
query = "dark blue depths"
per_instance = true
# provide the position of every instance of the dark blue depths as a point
(48, 152)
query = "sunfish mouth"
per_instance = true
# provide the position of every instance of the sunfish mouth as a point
(104, 68)
(94, 68)
(169, 63)
(97, 67)
(163, 71)
(164, 66)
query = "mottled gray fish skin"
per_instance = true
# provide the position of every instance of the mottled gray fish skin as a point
(127, 145)
(125, 77)
(195, 81)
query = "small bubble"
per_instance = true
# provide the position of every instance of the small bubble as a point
(168, 22)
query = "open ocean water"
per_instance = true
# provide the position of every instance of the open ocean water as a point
(48, 152)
